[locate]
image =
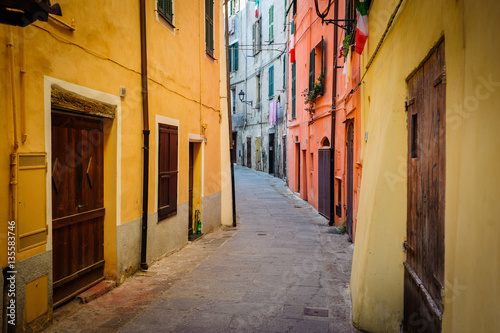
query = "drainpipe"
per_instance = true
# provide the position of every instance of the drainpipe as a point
(15, 145)
(334, 118)
(229, 116)
(145, 131)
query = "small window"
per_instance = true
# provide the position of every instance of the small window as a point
(271, 82)
(167, 171)
(233, 57)
(209, 27)
(257, 82)
(284, 71)
(256, 37)
(166, 10)
(271, 23)
(316, 66)
(233, 100)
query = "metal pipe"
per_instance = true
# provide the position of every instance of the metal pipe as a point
(146, 132)
(24, 134)
(334, 117)
(229, 116)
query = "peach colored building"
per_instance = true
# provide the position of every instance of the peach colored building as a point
(317, 70)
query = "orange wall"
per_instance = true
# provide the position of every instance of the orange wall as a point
(308, 32)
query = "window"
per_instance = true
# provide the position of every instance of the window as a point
(166, 10)
(294, 10)
(284, 71)
(256, 37)
(271, 82)
(233, 100)
(233, 57)
(257, 81)
(293, 91)
(167, 171)
(209, 27)
(316, 67)
(271, 23)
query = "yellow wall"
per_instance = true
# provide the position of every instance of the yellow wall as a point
(103, 54)
(472, 253)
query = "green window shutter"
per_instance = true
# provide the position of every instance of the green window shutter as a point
(271, 23)
(161, 6)
(271, 81)
(293, 90)
(230, 57)
(284, 71)
(235, 58)
(311, 70)
(322, 65)
(169, 13)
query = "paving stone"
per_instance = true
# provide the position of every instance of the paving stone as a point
(259, 277)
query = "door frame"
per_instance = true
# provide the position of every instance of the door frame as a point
(112, 165)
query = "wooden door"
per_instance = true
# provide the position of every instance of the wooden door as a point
(324, 182)
(350, 179)
(249, 152)
(233, 151)
(77, 204)
(424, 266)
(271, 153)
(191, 178)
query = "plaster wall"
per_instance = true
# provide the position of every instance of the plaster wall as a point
(472, 184)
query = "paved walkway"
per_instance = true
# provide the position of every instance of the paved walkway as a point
(281, 261)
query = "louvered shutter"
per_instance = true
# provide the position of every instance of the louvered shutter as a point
(235, 58)
(271, 23)
(271, 81)
(311, 69)
(322, 65)
(167, 171)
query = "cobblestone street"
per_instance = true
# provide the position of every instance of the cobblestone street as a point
(281, 270)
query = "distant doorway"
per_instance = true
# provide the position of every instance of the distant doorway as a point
(194, 190)
(249, 152)
(350, 179)
(271, 153)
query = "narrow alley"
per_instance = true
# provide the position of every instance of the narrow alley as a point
(281, 270)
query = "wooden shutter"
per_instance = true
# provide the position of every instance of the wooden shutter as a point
(254, 40)
(284, 71)
(209, 26)
(271, 23)
(169, 13)
(293, 90)
(322, 65)
(271, 81)
(161, 6)
(312, 55)
(235, 58)
(167, 171)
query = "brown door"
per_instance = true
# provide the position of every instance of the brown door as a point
(324, 182)
(190, 219)
(350, 179)
(424, 266)
(77, 204)
(233, 151)
(249, 152)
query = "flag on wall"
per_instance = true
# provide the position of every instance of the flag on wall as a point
(292, 45)
(362, 26)
(257, 8)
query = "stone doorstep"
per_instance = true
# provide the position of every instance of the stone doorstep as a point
(96, 291)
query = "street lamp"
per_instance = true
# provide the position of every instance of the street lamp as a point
(241, 95)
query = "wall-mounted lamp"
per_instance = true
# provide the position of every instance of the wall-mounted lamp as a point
(241, 95)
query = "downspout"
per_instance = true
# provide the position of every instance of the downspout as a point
(15, 145)
(229, 116)
(145, 131)
(334, 117)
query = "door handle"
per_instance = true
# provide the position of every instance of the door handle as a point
(81, 206)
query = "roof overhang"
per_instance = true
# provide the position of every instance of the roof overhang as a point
(24, 12)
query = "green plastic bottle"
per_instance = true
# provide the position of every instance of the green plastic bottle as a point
(198, 228)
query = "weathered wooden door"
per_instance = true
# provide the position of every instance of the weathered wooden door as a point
(424, 266)
(271, 153)
(77, 204)
(324, 182)
(350, 179)
(190, 186)
(233, 151)
(249, 152)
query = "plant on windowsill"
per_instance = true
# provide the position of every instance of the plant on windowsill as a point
(310, 96)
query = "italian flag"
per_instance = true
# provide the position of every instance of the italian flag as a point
(362, 26)
(257, 8)
(292, 45)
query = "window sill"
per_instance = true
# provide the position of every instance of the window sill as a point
(166, 217)
(210, 54)
(160, 14)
